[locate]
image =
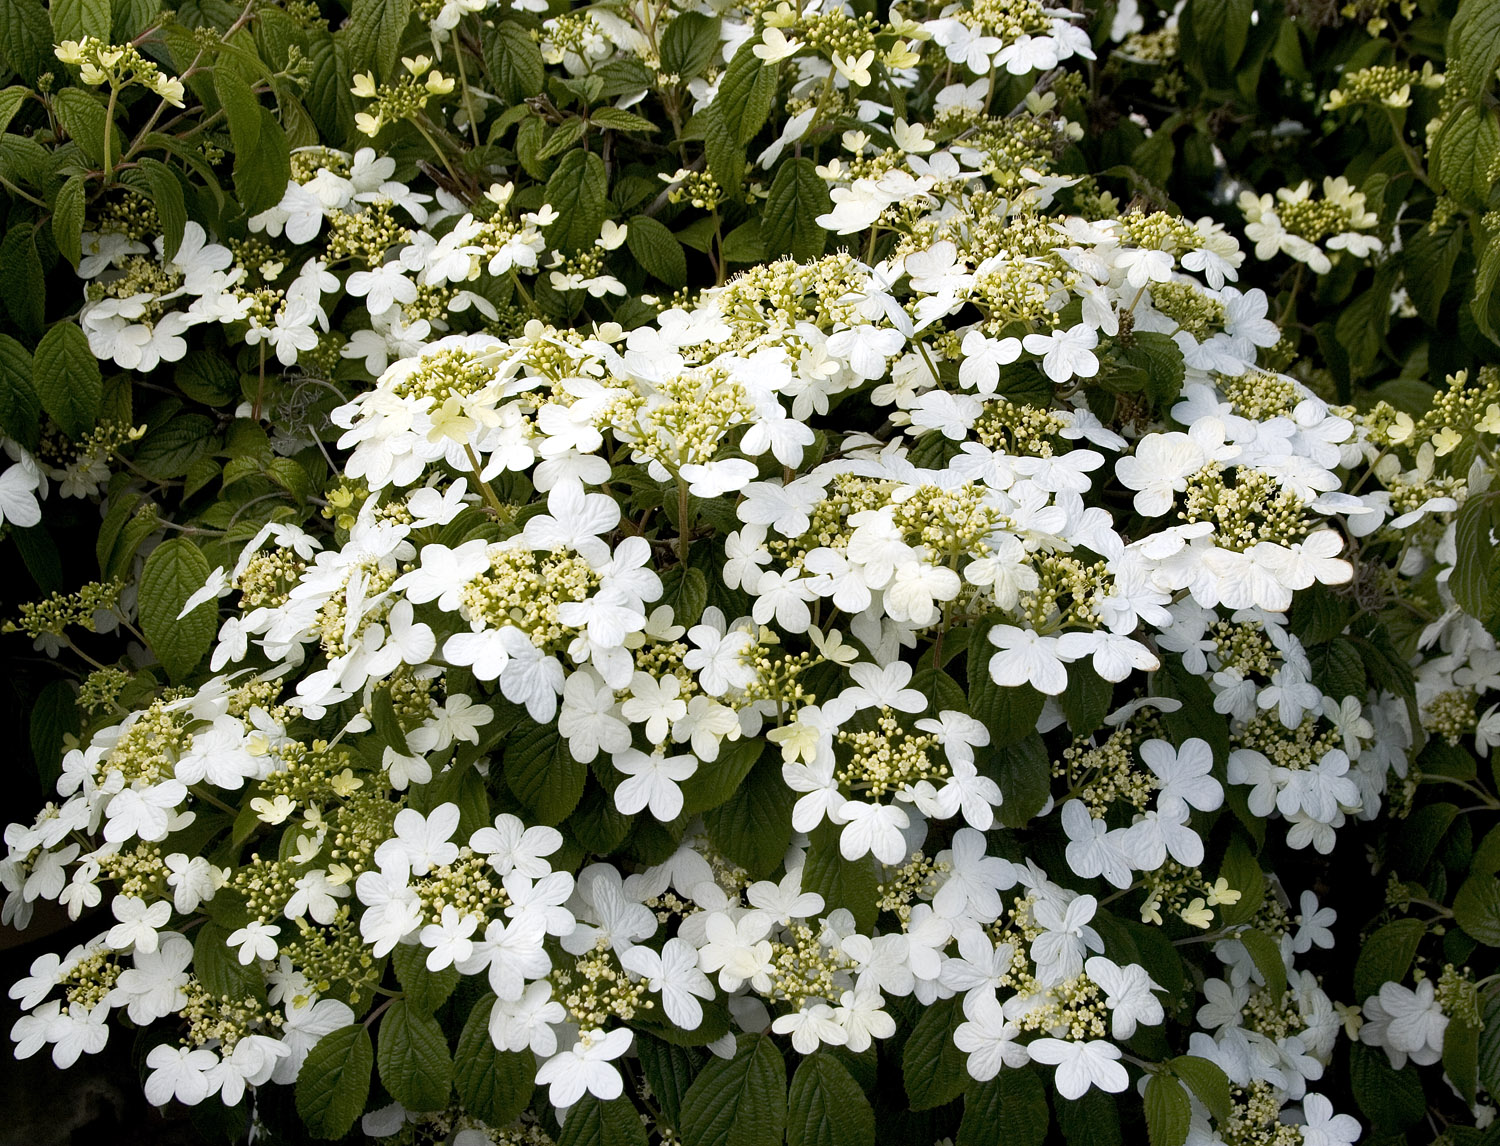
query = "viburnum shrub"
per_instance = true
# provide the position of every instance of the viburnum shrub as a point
(725, 575)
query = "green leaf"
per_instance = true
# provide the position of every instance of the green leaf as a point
(789, 223)
(166, 196)
(854, 884)
(54, 717)
(413, 1058)
(67, 219)
(75, 19)
(20, 409)
(334, 1082)
(745, 96)
(1430, 259)
(26, 39)
(932, 1066)
(739, 1101)
(1243, 874)
(22, 282)
(83, 117)
(579, 188)
(1008, 1110)
(425, 990)
(657, 250)
(1161, 360)
(1461, 1056)
(1024, 774)
(373, 35)
(754, 826)
(614, 119)
(744, 244)
(1466, 145)
(1265, 952)
(562, 137)
(670, 1070)
(261, 174)
(717, 780)
(827, 1107)
(1092, 1120)
(1476, 908)
(495, 1086)
(219, 969)
(594, 1122)
(170, 450)
(724, 153)
(1386, 956)
(1474, 43)
(1169, 1111)
(1337, 668)
(1086, 699)
(1489, 1041)
(66, 377)
(514, 62)
(11, 99)
(542, 773)
(1214, 34)
(1207, 1081)
(1470, 579)
(689, 45)
(175, 571)
(1392, 1099)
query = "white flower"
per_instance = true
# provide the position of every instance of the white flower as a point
(652, 781)
(138, 923)
(255, 940)
(988, 1037)
(1323, 1127)
(1128, 995)
(674, 973)
(873, 828)
(1026, 658)
(178, 1072)
(421, 843)
(814, 1024)
(1081, 1065)
(1066, 354)
(1183, 775)
(586, 1068)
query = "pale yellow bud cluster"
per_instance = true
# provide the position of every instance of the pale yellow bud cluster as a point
(1246, 506)
(596, 989)
(887, 757)
(524, 588)
(803, 968)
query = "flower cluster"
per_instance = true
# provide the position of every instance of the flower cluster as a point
(689, 675)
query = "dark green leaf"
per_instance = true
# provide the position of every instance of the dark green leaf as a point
(933, 1068)
(594, 1122)
(827, 1107)
(754, 826)
(1008, 1110)
(1169, 1112)
(425, 990)
(1476, 908)
(1392, 1099)
(854, 884)
(1386, 956)
(579, 188)
(494, 1085)
(789, 223)
(335, 1081)
(65, 375)
(175, 571)
(514, 62)
(689, 45)
(413, 1058)
(542, 773)
(67, 219)
(657, 250)
(739, 1101)
(1207, 1081)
